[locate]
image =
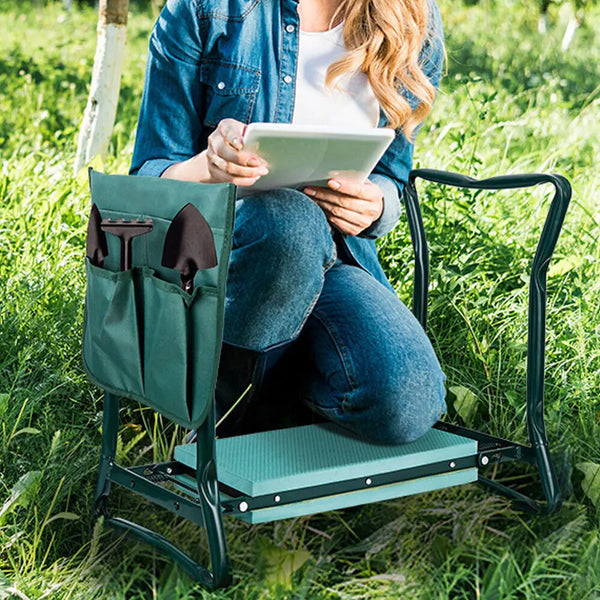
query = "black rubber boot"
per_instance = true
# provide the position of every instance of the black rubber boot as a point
(238, 367)
(273, 401)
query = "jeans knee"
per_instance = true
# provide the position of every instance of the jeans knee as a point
(281, 247)
(408, 406)
(298, 226)
(288, 224)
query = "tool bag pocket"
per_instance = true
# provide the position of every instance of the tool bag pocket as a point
(111, 334)
(147, 339)
(179, 341)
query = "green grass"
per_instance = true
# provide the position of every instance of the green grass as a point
(510, 102)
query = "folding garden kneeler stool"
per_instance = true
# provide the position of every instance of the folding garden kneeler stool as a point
(149, 338)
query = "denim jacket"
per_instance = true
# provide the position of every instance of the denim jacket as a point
(213, 59)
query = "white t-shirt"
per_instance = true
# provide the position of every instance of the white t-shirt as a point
(354, 105)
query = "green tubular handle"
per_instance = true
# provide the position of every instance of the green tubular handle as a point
(536, 336)
(546, 245)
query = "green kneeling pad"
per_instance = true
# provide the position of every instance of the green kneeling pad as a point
(280, 460)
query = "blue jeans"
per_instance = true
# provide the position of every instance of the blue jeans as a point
(366, 362)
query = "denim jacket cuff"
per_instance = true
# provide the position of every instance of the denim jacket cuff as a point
(154, 167)
(391, 208)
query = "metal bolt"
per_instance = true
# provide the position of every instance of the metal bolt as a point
(176, 505)
(169, 470)
(243, 506)
(221, 85)
(132, 483)
(288, 79)
(452, 465)
(289, 28)
(368, 481)
(277, 498)
(485, 460)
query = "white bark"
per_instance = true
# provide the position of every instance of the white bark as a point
(543, 23)
(101, 109)
(569, 34)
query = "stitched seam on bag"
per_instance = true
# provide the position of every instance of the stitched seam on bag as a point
(132, 395)
(172, 288)
(137, 215)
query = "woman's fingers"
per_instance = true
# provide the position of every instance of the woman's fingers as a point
(233, 169)
(343, 207)
(230, 143)
(226, 159)
(246, 162)
(351, 188)
(349, 206)
(232, 131)
(348, 220)
(346, 227)
(224, 175)
(367, 190)
(349, 215)
(222, 152)
(340, 205)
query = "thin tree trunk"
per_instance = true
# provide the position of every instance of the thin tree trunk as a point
(543, 16)
(101, 109)
(569, 33)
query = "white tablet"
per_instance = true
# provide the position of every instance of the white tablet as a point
(301, 155)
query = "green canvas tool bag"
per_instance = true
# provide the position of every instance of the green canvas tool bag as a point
(144, 337)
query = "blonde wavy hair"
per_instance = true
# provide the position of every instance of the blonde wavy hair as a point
(384, 40)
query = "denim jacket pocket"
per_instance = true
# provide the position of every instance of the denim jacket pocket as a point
(230, 91)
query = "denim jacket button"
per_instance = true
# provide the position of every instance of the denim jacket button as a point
(221, 85)
(289, 28)
(288, 79)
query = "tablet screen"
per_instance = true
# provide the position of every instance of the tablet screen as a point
(301, 155)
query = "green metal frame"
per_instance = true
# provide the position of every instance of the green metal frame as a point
(202, 504)
(205, 510)
(497, 449)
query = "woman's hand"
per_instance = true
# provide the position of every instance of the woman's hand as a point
(350, 206)
(223, 161)
(226, 160)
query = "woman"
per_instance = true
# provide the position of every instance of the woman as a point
(308, 304)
